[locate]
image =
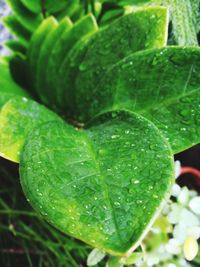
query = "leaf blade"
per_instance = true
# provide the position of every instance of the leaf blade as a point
(86, 199)
(153, 84)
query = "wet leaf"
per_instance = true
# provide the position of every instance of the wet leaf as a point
(143, 29)
(162, 85)
(92, 183)
(18, 117)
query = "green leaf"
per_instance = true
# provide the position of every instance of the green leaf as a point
(8, 88)
(29, 14)
(60, 5)
(29, 20)
(115, 262)
(104, 185)
(184, 18)
(33, 5)
(15, 46)
(36, 43)
(143, 29)
(44, 55)
(161, 84)
(17, 29)
(60, 51)
(17, 118)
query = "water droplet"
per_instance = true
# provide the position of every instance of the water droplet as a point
(155, 196)
(183, 129)
(114, 136)
(116, 203)
(83, 67)
(24, 99)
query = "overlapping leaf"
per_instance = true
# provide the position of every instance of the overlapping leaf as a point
(29, 14)
(94, 184)
(57, 52)
(161, 84)
(87, 62)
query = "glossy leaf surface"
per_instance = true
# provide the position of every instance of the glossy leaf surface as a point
(92, 184)
(160, 84)
(18, 117)
(146, 28)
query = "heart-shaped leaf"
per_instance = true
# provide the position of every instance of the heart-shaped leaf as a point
(17, 118)
(103, 185)
(161, 84)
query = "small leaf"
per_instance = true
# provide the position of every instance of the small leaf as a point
(95, 257)
(45, 55)
(15, 46)
(17, 29)
(29, 20)
(93, 185)
(35, 45)
(33, 5)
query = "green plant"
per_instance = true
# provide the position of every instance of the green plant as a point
(134, 103)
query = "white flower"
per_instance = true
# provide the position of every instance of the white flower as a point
(195, 205)
(152, 260)
(188, 218)
(171, 265)
(175, 190)
(95, 257)
(177, 165)
(174, 215)
(183, 196)
(180, 232)
(190, 248)
(194, 232)
(173, 246)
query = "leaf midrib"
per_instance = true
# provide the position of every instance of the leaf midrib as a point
(106, 190)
